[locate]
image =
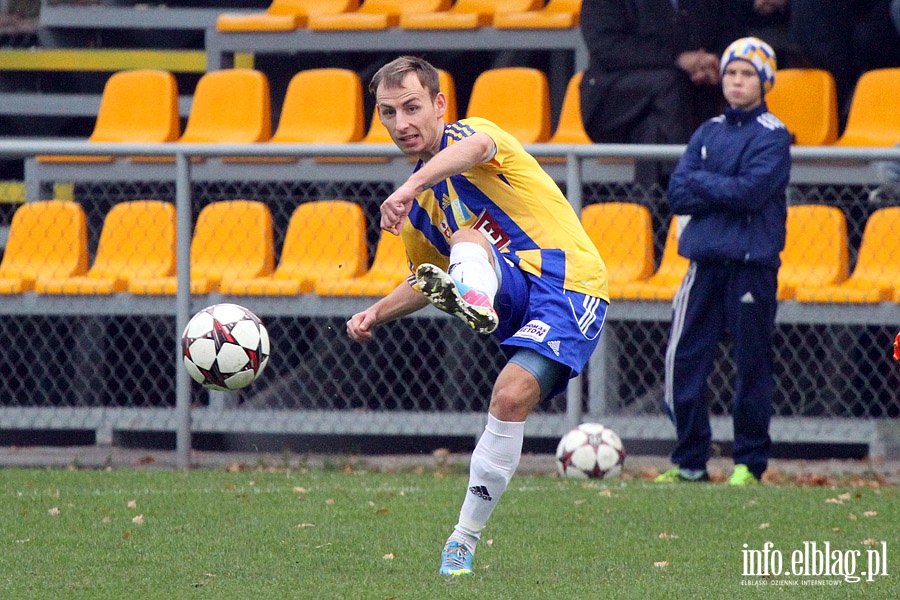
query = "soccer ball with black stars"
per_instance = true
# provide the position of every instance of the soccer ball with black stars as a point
(225, 346)
(592, 451)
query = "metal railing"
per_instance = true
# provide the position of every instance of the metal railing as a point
(821, 165)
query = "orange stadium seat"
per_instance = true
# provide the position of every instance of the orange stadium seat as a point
(139, 106)
(375, 14)
(46, 239)
(137, 241)
(283, 15)
(815, 252)
(389, 268)
(324, 239)
(874, 118)
(232, 239)
(467, 14)
(322, 106)
(663, 284)
(557, 14)
(623, 234)
(876, 277)
(805, 100)
(515, 98)
(570, 128)
(230, 106)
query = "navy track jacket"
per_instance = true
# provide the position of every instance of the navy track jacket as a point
(732, 181)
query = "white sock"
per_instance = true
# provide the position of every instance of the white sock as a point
(470, 264)
(494, 461)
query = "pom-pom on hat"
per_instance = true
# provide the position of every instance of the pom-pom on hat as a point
(756, 52)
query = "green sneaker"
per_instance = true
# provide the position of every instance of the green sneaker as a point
(678, 475)
(742, 476)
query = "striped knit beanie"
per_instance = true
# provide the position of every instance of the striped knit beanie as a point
(756, 52)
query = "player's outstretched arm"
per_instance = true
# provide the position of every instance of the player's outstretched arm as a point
(454, 159)
(404, 300)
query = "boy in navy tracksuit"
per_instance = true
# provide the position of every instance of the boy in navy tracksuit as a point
(730, 186)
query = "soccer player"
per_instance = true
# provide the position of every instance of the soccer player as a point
(731, 183)
(491, 240)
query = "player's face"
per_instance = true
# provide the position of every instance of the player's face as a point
(415, 122)
(740, 85)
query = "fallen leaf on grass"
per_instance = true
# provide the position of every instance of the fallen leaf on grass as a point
(870, 513)
(302, 525)
(665, 535)
(869, 542)
(299, 490)
(132, 504)
(329, 501)
(53, 511)
(126, 535)
(845, 496)
(106, 520)
(490, 542)
(833, 501)
(763, 525)
(852, 517)
(661, 564)
(606, 493)
(389, 556)
(138, 520)
(382, 511)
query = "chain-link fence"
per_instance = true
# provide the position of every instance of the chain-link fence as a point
(116, 352)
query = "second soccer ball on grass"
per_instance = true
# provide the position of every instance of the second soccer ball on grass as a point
(591, 450)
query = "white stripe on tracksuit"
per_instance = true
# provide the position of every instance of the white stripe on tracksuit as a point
(679, 308)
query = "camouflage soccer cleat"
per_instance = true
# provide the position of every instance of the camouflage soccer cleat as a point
(457, 299)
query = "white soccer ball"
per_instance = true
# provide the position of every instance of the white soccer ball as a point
(590, 451)
(225, 346)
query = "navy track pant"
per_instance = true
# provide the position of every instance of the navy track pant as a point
(713, 299)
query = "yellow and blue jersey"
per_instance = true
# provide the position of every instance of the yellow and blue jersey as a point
(516, 204)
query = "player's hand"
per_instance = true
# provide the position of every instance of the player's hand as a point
(360, 326)
(396, 208)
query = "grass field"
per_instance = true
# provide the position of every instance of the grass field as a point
(327, 533)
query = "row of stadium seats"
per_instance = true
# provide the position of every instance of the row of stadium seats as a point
(349, 15)
(326, 106)
(814, 261)
(325, 252)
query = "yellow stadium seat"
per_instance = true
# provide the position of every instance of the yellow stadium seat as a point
(137, 241)
(515, 98)
(806, 102)
(375, 14)
(389, 268)
(283, 15)
(322, 106)
(138, 106)
(876, 277)
(46, 239)
(623, 234)
(557, 14)
(467, 14)
(815, 250)
(233, 239)
(874, 118)
(570, 128)
(663, 284)
(230, 106)
(324, 239)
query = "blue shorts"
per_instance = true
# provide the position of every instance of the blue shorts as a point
(535, 313)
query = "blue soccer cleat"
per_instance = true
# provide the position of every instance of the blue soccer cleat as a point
(456, 559)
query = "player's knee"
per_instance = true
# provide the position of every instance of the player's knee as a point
(512, 400)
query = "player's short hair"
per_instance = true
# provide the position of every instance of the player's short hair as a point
(391, 75)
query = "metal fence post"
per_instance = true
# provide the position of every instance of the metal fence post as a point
(182, 306)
